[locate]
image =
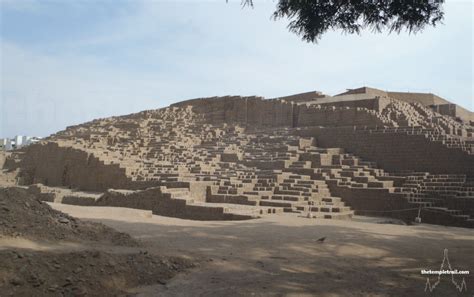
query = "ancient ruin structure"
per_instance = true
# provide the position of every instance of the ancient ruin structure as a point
(365, 151)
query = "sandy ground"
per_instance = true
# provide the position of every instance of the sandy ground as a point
(279, 256)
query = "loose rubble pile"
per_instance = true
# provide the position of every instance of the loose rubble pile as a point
(82, 273)
(87, 271)
(24, 215)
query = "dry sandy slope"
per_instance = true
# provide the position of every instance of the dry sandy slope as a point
(278, 255)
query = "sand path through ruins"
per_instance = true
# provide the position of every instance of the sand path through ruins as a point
(279, 256)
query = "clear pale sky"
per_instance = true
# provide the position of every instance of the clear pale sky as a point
(67, 62)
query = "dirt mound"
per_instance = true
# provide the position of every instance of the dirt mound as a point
(101, 271)
(24, 215)
(85, 273)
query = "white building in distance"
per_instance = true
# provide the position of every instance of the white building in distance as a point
(17, 142)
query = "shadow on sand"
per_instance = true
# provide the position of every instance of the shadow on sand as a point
(267, 258)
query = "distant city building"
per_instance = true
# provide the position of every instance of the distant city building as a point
(17, 142)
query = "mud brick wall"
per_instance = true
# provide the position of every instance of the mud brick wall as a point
(441, 218)
(454, 111)
(150, 199)
(267, 165)
(395, 151)
(230, 157)
(78, 200)
(381, 203)
(446, 109)
(258, 112)
(179, 208)
(52, 165)
(197, 190)
(336, 116)
(269, 113)
(464, 114)
(423, 98)
(317, 159)
(36, 191)
(230, 109)
(250, 111)
(160, 204)
(377, 103)
(464, 203)
(302, 97)
(146, 199)
(369, 199)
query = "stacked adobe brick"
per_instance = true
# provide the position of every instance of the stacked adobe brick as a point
(236, 157)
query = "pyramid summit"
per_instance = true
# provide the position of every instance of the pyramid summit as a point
(364, 151)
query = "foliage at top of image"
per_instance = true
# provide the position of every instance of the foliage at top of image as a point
(311, 19)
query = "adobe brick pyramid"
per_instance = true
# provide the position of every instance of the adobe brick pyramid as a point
(364, 151)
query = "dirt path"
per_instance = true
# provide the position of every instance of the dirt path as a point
(279, 255)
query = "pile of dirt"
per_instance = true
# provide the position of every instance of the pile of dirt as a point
(92, 270)
(85, 273)
(24, 215)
